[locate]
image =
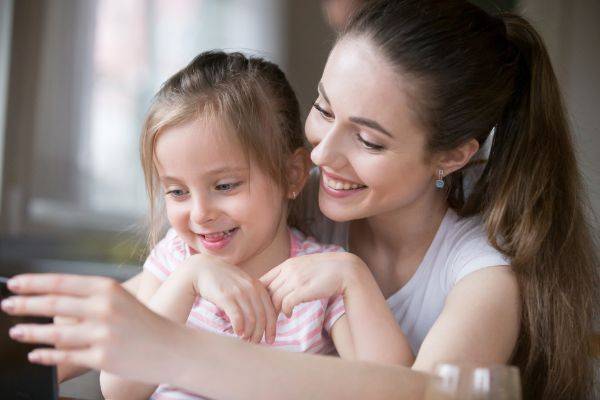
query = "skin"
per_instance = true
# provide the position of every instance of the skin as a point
(211, 187)
(393, 222)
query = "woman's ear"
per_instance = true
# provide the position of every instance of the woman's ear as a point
(298, 169)
(453, 160)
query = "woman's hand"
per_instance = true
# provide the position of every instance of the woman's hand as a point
(109, 329)
(310, 277)
(244, 299)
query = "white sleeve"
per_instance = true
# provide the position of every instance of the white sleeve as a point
(472, 252)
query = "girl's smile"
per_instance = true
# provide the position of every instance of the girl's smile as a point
(218, 240)
(218, 200)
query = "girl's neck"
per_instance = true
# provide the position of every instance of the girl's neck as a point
(273, 254)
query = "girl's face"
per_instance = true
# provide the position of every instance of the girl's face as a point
(367, 140)
(217, 201)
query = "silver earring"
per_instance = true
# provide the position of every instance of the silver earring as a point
(294, 195)
(439, 182)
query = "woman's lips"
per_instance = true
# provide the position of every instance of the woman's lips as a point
(217, 241)
(339, 188)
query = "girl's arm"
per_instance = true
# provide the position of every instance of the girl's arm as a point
(117, 333)
(375, 335)
(368, 330)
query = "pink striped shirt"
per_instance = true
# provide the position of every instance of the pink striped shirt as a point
(307, 330)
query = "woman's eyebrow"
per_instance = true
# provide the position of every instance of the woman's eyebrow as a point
(369, 123)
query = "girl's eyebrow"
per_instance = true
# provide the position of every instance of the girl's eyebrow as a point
(221, 170)
(369, 123)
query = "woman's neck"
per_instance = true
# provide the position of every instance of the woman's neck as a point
(394, 244)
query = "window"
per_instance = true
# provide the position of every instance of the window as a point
(82, 76)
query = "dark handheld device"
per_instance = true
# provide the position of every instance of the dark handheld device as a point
(19, 379)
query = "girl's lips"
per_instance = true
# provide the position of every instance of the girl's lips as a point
(217, 242)
(339, 193)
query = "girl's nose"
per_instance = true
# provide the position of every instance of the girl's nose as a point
(202, 211)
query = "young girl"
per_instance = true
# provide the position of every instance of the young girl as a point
(224, 144)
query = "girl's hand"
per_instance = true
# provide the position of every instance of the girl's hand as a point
(310, 277)
(108, 328)
(244, 299)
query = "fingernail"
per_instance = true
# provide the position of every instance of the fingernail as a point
(33, 357)
(16, 332)
(14, 284)
(8, 304)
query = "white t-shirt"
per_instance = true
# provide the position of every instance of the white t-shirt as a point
(459, 247)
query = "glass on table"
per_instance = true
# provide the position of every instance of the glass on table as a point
(474, 382)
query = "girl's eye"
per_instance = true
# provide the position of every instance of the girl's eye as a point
(369, 145)
(226, 187)
(325, 114)
(176, 193)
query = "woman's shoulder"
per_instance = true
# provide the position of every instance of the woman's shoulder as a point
(467, 247)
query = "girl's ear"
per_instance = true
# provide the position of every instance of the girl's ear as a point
(453, 160)
(298, 169)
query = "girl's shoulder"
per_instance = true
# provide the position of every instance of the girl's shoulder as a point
(172, 244)
(302, 244)
(166, 255)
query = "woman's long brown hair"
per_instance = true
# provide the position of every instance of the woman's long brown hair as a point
(475, 73)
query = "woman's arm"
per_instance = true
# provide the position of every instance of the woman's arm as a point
(68, 371)
(479, 323)
(115, 387)
(115, 332)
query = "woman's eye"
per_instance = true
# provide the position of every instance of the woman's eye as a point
(325, 114)
(369, 145)
(226, 187)
(175, 193)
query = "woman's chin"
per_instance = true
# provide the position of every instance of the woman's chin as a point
(338, 212)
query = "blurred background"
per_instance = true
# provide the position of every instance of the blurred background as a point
(76, 78)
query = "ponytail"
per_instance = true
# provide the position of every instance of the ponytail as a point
(531, 197)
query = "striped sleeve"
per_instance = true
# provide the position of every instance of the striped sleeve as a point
(334, 311)
(165, 256)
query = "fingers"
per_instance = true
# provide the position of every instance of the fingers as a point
(45, 356)
(267, 278)
(278, 296)
(236, 317)
(71, 336)
(271, 325)
(45, 306)
(260, 318)
(248, 314)
(288, 303)
(74, 285)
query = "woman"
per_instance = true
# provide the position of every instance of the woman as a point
(410, 92)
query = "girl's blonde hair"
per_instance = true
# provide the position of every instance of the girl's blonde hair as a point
(251, 95)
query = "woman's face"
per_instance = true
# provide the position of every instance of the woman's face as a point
(367, 140)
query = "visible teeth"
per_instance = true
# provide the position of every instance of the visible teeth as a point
(219, 234)
(340, 185)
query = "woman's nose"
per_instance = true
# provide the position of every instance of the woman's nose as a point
(328, 151)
